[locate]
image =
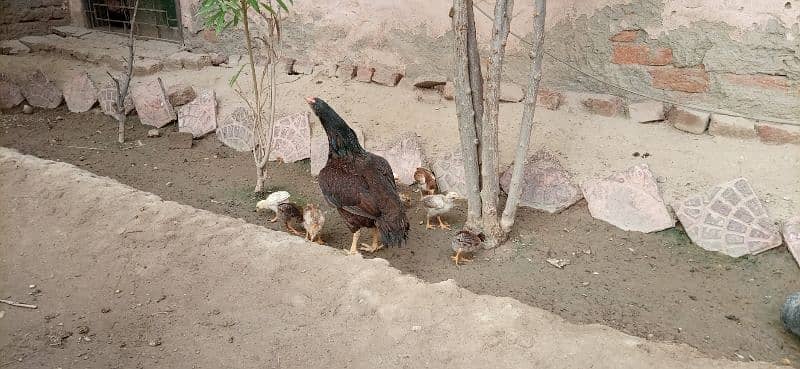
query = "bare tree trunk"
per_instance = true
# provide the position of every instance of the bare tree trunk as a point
(490, 186)
(122, 90)
(465, 109)
(515, 189)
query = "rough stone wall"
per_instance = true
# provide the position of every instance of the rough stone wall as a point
(741, 56)
(31, 17)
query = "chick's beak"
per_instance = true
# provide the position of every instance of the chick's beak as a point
(310, 100)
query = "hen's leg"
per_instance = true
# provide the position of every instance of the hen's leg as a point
(428, 223)
(442, 224)
(354, 245)
(375, 244)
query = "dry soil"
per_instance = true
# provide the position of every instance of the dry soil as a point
(657, 286)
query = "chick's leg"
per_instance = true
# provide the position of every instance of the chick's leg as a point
(274, 219)
(354, 245)
(375, 244)
(442, 224)
(457, 258)
(319, 240)
(291, 229)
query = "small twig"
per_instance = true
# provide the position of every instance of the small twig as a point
(285, 82)
(19, 304)
(84, 147)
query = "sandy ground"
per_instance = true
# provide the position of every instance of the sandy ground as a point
(591, 146)
(657, 286)
(124, 279)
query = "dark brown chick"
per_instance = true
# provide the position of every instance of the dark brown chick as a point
(290, 213)
(426, 181)
(465, 241)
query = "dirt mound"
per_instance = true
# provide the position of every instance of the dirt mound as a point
(125, 279)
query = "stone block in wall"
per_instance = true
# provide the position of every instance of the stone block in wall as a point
(646, 111)
(730, 126)
(778, 134)
(691, 80)
(688, 120)
(640, 54)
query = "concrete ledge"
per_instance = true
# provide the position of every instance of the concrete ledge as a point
(284, 302)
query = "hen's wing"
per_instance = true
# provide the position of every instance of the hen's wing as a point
(433, 201)
(363, 186)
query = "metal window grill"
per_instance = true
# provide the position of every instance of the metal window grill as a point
(155, 19)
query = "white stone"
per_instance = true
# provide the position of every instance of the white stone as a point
(728, 218)
(199, 117)
(629, 200)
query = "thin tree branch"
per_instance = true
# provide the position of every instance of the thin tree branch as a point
(490, 185)
(466, 111)
(19, 304)
(122, 91)
(515, 189)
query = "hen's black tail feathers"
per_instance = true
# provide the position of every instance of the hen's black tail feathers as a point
(394, 232)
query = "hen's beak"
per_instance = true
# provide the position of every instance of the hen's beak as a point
(310, 100)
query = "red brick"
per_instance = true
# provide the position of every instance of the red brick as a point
(688, 120)
(625, 36)
(386, 77)
(680, 79)
(640, 54)
(660, 56)
(778, 134)
(549, 99)
(762, 81)
(345, 71)
(730, 126)
(605, 105)
(364, 74)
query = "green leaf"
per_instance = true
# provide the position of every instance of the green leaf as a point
(283, 5)
(236, 75)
